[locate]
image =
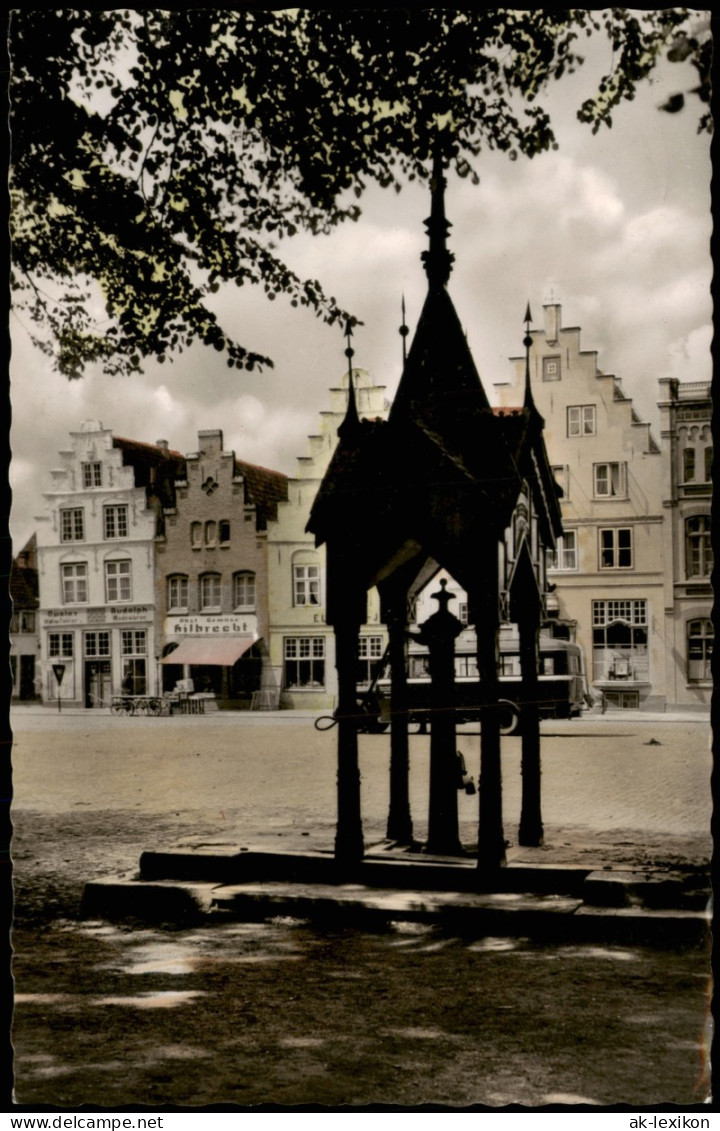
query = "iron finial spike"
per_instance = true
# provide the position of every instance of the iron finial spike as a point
(437, 259)
(351, 416)
(404, 331)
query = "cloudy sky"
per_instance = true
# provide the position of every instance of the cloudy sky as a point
(615, 227)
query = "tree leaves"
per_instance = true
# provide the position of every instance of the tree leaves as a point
(159, 153)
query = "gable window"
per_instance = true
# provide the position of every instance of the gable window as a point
(196, 535)
(244, 590)
(551, 368)
(370, 651)
(610, 480)
(177, 592)
(581, 420)
(60, 644)
(565, 554)
(306, 585)
(72, 525)
(115, 522)
(304, 662)
(688, 465)
(74, 583)
(616, 548)
(223, 532)
(700, 637)
(698, 546)
(92, 474)
(118, 585)
(211, 592)
(210, 531)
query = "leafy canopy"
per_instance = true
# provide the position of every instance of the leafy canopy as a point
(158, 154)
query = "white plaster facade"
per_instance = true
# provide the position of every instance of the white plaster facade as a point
(95, 549)
(608, 569)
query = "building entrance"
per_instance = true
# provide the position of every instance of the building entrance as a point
(98, 683)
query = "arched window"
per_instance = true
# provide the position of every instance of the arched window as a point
(210, 529)
(177, 593)
(224, 531)
(698, 546)
(700, 636)
(244, 590)
(195, 534)
(211, 592)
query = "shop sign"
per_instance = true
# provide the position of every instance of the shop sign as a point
(128, 614)
(207, 625)
(60, 616)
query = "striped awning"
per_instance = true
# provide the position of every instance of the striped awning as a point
(223, 652)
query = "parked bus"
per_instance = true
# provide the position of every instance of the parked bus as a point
(562, 685)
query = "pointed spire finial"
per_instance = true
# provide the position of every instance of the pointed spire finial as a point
(437, 260)
(404, 331)
(528, 401)
(352, 419)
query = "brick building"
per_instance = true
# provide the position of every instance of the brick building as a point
(687, 456)
(211, 581)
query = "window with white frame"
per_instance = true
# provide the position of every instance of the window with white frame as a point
(74, 583)
(616, 549)
(304, 665)
(97, 644)
(60, 644)
(306, 585)
(115, 521)
(610, 480)
(565, 554)
(211, 592)
(92, 474)
(551, 368)
(698, 546)
(72, 524)
(700, 638)
(620, 640)
(177, 592)
(244, 590)
(581, 420)
(370, 653)
(118, 581)
(133, 641)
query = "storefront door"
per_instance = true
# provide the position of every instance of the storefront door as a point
(98, 683)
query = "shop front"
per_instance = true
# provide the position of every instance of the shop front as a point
(213, 655)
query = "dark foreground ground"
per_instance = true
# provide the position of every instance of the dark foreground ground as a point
(287, 1013)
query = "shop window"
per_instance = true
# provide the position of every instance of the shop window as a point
(304, 662)
(72, 525)
(97, 644)
(74, 583)
(60, 644)
(370, 653)
(700, 637)
(620, 640)
(118, 582)
(610, 480)
(565, 554)
(244, 590)
(177, 592)
(306, 585)
(581, 420)
(698, 546)
(211, 592)
(115, 522)
(92, 474)
(616, 548)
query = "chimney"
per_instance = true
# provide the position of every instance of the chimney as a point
(552, 322)
(162, 444)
